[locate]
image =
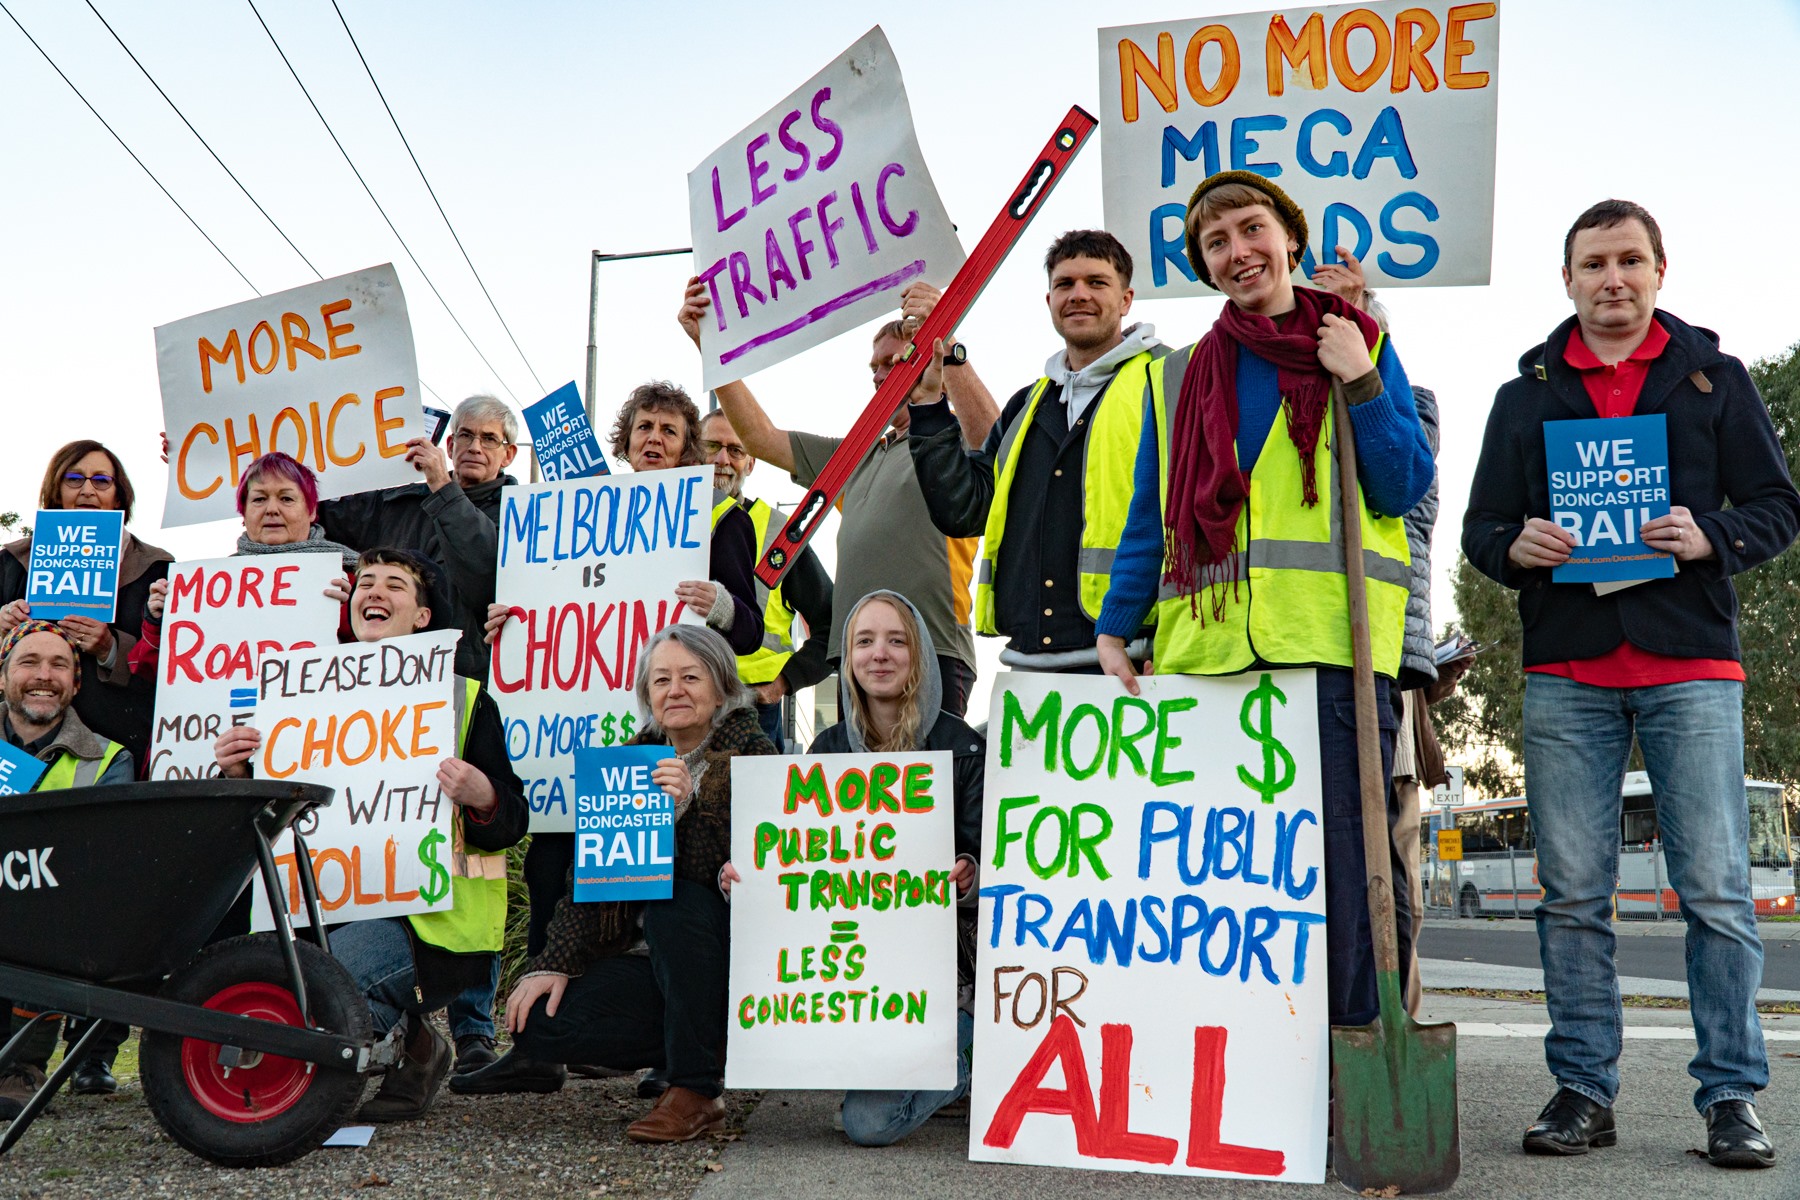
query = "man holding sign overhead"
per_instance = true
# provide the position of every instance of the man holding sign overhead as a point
(1658, 657)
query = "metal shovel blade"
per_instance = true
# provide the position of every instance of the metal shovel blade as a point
(1394, 1101)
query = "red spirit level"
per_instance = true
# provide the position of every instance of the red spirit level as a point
(958, 298)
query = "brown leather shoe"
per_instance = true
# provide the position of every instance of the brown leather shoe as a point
(680, 1115)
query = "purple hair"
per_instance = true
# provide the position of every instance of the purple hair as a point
(288, 468)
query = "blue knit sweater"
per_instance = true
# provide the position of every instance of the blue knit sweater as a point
(1393, 463)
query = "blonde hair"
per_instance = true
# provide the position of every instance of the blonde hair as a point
(905, 733)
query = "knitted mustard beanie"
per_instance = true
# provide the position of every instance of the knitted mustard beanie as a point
(1286, 209)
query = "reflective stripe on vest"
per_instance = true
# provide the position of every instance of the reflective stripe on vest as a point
(1288, 604)
(69, 771)
(1107, 460)
(764, 664)
(476, 917)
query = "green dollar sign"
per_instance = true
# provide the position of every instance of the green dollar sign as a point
(438, 885)
(625, 724)
(1271, 783)
(606, 730)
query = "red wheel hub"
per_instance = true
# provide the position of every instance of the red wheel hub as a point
(267, 1085)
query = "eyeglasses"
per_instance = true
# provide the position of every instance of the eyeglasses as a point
(488, 441)
(735, 453)
(74, 479)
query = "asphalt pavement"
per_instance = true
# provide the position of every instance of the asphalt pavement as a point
(790, 1149)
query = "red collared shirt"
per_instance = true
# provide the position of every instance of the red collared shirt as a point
(1614, 388)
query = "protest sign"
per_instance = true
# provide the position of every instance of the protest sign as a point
(1378, 120)
(19, 771)
(221, 616)
(371, 720)
(561, 437)
(1151, 993)
(1607, 477)
(74, 568)
(624, 825)
(324, 372)
(843, 925)
(588, 568)
(815, 217)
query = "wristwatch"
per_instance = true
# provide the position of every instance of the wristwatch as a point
(956, 355)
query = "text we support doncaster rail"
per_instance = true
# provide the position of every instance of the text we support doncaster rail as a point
(813, 218)
(1150, 994)
(1377, 119)
(324, 372)
(589, 568)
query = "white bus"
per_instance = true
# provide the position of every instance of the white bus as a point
(1498, 872)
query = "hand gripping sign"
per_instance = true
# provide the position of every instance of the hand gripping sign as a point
(812, 219)
(1378, 120)
(1151, 991)
(324, 372)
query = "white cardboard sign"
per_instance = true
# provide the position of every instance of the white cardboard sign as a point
(324, 372)
(222, 615)
(372, 720)
(1377, 119)
(843, 928)
(589, 568)
(1151, 992)
(814, 218)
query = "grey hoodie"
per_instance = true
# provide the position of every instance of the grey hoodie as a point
(1081, 388)
(931, 684)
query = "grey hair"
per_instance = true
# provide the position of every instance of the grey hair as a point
(487, 408)
(713, 652)
(1376, 309)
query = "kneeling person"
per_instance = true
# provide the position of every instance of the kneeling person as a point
(392, 598)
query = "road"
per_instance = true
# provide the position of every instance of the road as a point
(1642, 952)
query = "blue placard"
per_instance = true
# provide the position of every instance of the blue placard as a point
(624, 825)
(1607, 478)
(19, 771)
(562, 438)
(75, 564)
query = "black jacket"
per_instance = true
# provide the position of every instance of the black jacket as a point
(1722, 448)
(969, 765)
(486, 752)
(457, 528)
(807, 590)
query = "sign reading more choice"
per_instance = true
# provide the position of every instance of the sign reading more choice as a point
(372, 720)
(19, 771)
(624, 825)
(1607, 477)
(561, 437)
(588, 568)
(324, 372)
(1378, 120)
(74, 568)
(222, 616)
(815, 217)
(843, 923)
(1151, 993)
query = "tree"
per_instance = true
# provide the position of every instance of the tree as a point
(10, 523)
(1480, 723)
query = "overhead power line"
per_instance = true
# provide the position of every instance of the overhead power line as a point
(134, 158)
(434, 197)
(371, 194)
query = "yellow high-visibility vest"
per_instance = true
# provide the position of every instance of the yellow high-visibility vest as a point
(476, 918)
(764, 663)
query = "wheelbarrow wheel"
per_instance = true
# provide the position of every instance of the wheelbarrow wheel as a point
(270, 1110)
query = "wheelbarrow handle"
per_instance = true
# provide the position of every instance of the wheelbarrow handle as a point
(1368, 725)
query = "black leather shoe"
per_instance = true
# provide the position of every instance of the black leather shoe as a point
(93, 1077)
(513, 1073)
(1735, 1138)
(1569, 1125)
(473, 1052)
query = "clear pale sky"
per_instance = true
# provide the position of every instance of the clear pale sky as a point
(551, 129)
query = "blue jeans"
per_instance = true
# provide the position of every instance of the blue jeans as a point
(883, 1118)
(471, 1013)
(1577, 742)
(769, 717)
(378, 955)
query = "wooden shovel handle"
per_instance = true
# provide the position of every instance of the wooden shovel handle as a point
(1368, 725)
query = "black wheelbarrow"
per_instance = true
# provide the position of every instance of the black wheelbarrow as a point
(254, 1049)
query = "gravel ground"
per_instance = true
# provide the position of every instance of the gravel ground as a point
(571, 1143)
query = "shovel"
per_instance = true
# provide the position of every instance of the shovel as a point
(1393, 1081)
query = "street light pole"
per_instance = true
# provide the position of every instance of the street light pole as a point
(594, 311)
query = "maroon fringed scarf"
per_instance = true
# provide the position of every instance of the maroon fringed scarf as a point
(1206, 488)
